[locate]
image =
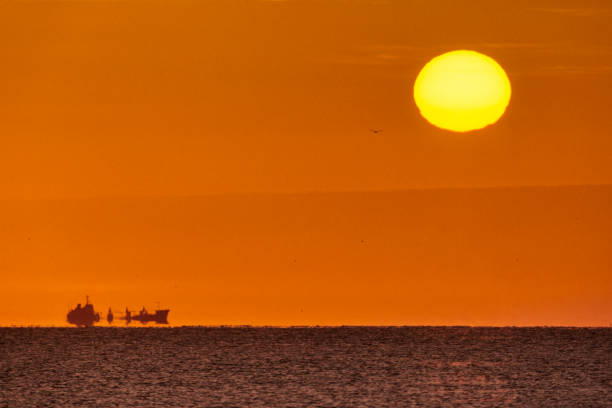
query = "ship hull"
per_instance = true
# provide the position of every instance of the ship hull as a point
(82, 318)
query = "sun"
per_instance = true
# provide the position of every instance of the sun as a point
(462, 91)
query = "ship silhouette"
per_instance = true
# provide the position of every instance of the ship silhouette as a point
(144, 317)
(84, 316)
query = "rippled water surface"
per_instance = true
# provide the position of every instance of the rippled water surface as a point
(295, 367)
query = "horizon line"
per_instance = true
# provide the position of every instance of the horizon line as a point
(297, 326)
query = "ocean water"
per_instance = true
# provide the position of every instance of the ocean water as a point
(306, 367)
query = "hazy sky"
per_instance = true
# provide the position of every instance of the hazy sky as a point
(123, 98)
(103, 102)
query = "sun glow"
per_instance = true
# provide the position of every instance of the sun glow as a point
(462, 91)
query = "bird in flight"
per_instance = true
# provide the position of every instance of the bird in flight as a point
(375, 130)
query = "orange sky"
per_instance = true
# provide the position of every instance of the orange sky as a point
(216, 156)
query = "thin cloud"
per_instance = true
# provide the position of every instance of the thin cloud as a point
(545, 58)
(382, 2)
(576, 12)
(512, 45)
(579, 70)
(408, 54)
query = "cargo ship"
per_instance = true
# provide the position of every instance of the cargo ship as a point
(86, 316)
(144, 317)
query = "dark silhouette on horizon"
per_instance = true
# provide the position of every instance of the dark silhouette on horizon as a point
(86, 316)
(83, 316)
(144, 317)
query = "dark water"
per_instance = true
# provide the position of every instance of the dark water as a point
(319, 367)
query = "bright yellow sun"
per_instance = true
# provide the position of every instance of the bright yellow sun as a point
(462, 91)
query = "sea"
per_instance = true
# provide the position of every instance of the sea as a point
(306, 367)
